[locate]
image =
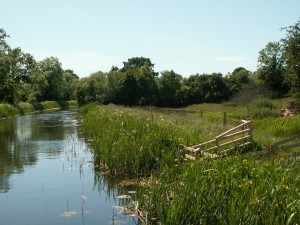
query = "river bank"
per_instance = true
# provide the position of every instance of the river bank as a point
(239, 189)
(8, 110)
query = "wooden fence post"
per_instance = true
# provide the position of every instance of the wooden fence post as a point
(181, 152)
(250, 126)
(224, 119)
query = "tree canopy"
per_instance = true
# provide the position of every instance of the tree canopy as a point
(22, 78)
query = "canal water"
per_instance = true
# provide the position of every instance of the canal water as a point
(47, 175)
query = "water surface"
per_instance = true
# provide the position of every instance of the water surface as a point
(47, 175)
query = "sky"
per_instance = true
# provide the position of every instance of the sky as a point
(187, 36)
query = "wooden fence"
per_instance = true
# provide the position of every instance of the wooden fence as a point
(288, 143)
(233, 139)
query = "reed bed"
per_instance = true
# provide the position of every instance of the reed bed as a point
(135, 143)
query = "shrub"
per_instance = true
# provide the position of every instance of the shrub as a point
(7, 110)
(25, 107)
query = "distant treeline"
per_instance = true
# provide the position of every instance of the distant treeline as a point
(137, 84)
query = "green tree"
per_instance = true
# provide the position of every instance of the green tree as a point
(15, 70)
(116, 92)
(209, 88)
(49, 82)
(139, 86)
(169, 87)
(238, 80)
(291, 54)
(271, 68)
(4, 47)
(71, 81)
(92, 89)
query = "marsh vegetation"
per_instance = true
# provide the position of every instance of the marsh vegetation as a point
(141, 144)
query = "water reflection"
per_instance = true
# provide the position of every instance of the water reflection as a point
(46, 164)
(21, 139)
(13, 158)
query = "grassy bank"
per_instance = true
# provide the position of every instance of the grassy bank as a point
(135, 143)
(233, 190)
(7, 110)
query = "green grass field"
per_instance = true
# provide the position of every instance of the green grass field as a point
(142, 143)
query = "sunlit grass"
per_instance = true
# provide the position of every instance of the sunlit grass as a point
(135, 143)
(233, 190)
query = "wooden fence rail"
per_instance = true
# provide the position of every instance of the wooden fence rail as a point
(233, 139)
(288, 143)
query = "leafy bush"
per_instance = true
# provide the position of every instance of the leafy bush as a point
(7, 110)
(50, 105)
(25, 107)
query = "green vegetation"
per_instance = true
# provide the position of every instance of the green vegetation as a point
(232, 190)
(23, 79)
(8, 110)
(137, 84)
(142, 143)
(25, 107)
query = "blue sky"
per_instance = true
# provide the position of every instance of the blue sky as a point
(188, 36)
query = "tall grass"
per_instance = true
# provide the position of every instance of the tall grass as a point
(234, 190)
(271, 130)
(135, 142)
(129, 143)
(262, 107)
(228, 191)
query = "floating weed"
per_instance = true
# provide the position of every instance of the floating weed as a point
(73, 213)
(124, 196)
(70, 214)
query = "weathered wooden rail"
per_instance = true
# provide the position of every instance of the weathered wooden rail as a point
(233, 139)
(288, 143)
